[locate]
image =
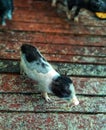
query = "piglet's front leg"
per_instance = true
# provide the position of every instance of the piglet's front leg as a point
(75, 17)
(46, 97)
(3, 22)
(54, 3)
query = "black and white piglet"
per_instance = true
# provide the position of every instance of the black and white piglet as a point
(35, 66)
(91, 5)
(6, 10)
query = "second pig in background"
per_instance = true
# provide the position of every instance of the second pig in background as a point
(91, 5)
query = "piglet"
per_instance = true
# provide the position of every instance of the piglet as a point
(91, 5)
(6, 10)
(36, 67)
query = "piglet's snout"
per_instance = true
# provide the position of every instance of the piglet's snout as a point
(75, 101)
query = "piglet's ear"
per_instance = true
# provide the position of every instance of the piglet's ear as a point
(65, 73)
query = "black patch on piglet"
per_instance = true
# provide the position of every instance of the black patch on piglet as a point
(30, 52)
(61, 87)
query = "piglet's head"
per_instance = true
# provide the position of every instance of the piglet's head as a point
(63, 88)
